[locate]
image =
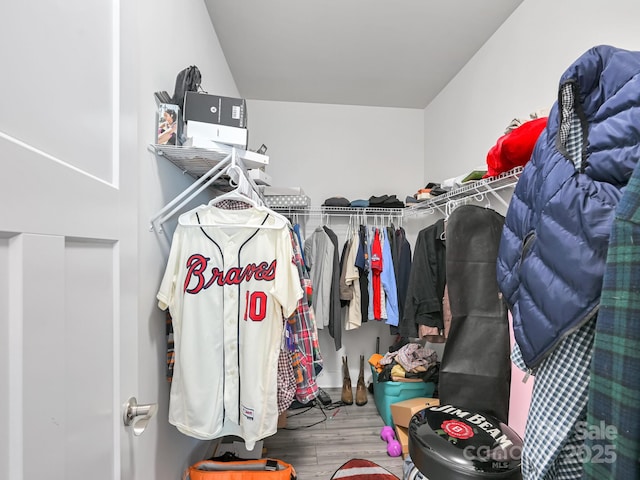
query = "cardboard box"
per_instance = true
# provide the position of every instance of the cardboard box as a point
(282, 419)
(214, 109)
(401, 412)
(402, 435)
(206, 135)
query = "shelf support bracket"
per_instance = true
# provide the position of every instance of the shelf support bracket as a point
(203, 182)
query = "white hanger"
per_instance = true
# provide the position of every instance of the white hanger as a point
(350, 228)
(186, 219)
(244, 192)
(250, 190)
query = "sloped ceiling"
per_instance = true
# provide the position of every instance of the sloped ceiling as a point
(352, 52)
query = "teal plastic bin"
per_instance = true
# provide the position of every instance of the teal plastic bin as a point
(386, 393)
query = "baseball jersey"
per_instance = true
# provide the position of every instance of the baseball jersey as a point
(227, 289)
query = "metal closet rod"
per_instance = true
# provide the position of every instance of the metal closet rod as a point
(341, 211)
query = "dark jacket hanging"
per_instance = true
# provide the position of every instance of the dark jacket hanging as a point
(362, 262)
(423, 302)
(335, 318)
(402, 267)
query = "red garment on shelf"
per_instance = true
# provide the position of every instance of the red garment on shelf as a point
(514, 148)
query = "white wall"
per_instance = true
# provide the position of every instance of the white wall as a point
(338, 150)
(343, 150)
(172, 36)
(517, 72)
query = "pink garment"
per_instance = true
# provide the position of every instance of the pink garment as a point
(433, 334)
(430, 334)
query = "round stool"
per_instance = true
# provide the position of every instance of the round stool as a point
(451, 443)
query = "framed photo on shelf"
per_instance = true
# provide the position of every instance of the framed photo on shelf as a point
(168, 128)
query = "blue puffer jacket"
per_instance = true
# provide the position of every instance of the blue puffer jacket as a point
(554, 242)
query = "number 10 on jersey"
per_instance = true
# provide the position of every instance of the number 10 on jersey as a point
(255, 306)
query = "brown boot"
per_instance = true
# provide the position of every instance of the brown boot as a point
(347, 393)
(361, 389)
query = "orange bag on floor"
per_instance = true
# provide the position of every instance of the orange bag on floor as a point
(262, 469)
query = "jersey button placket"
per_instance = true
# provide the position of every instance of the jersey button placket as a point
(231, 324)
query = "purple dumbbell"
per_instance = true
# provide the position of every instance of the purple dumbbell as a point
(394, 449)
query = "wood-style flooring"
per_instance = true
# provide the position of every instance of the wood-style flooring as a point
(317, 451)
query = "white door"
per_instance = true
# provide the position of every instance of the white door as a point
(67, 239)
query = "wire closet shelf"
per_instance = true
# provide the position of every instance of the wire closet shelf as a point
(485, 189)
(199, 161)
(480, 190)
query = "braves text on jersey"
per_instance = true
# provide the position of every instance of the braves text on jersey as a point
(227, 289)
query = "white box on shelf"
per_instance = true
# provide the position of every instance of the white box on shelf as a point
(251, 156)
(283, 191)
(203, 135)
(259, 177)
(287, 201)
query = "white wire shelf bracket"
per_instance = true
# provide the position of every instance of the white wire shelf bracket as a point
(215, 172)
(218, 164)
(478, 191)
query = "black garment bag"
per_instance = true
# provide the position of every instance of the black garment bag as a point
(475, 372)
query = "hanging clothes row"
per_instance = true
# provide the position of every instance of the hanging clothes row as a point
(365, 280)
(322, 261)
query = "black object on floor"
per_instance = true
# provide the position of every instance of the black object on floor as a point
(324, 397)
(296, 405)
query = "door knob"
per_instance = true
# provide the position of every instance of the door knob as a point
(138, 416)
